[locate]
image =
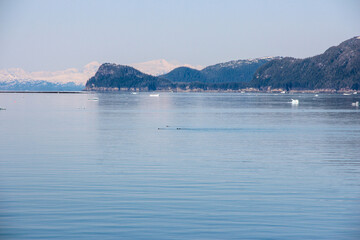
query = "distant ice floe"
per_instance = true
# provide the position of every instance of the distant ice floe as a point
(355, 104)
(295, 101)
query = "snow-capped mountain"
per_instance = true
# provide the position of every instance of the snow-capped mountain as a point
(159, 67)
(76, 76)
(39, 85)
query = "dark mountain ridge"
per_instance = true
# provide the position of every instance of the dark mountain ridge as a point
(117, 77)
(338, 67)
(232, 71)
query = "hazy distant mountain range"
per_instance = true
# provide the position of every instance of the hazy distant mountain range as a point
(71, 79)
(38, 85)
(77, 76)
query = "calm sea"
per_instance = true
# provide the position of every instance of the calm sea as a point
(179, 166)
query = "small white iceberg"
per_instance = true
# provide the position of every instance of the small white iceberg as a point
(133, 93)
(355, 104)
(295, 101)
(354, 92)
(2, 108)
(93, 99)
(154, 95)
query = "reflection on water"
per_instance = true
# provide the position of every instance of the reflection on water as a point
(179, 166)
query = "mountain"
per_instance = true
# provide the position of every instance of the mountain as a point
(338, 67)
(72, 79)
(229, 75)
(159, 67)
(185, 74)
(15, 85)
(233, 71)
(114, 77)
(77, 76)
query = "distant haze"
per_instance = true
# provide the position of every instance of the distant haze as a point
(42, 35)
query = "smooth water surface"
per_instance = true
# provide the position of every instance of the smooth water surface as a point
(179, 166)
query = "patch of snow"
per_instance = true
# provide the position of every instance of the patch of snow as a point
(236, 63)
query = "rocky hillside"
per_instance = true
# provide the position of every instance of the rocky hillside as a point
(113, 76)
(338, 67)
(185, 75)
(233, 71)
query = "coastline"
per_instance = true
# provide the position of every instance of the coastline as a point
(197, 90)
(59, 92)
(243, 90)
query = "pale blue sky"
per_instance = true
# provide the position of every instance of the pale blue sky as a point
(52, 35)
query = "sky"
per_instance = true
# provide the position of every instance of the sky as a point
(51, 35)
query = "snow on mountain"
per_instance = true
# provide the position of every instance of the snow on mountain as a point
(79, 77)
(237, 63)
(159, 67)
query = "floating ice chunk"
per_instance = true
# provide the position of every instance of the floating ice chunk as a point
(294, 101)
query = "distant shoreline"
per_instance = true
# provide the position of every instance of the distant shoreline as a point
(62, 92)
(246, 90)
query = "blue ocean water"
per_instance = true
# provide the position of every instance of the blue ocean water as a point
(179, 166)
